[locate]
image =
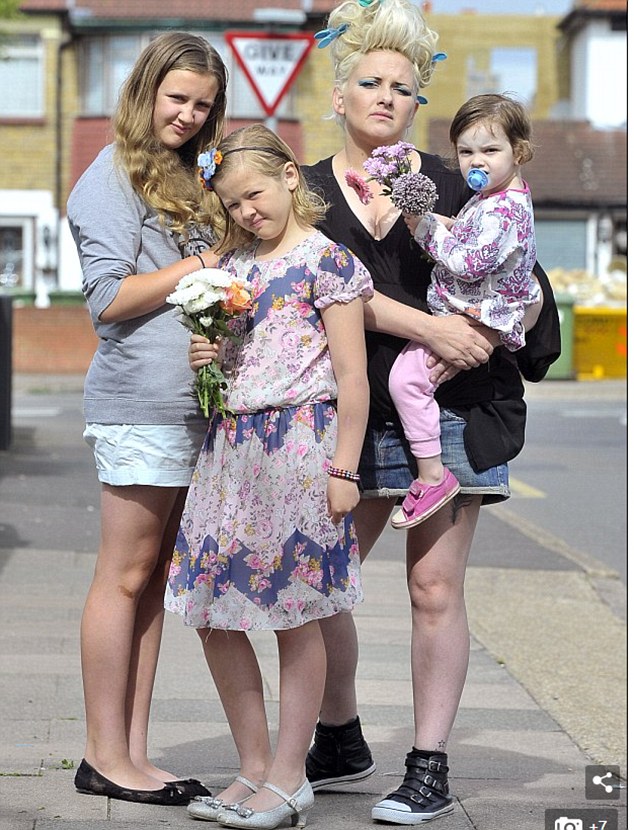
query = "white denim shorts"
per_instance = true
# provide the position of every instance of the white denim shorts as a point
(160, 455)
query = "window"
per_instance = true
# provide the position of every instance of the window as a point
(561, 243)
(15, 236)
(21, 77)
(503, 70)
(108, 60)
(106, 63)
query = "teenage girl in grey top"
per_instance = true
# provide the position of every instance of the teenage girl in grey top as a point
(136, 216)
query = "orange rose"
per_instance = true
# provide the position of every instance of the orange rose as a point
(238, 299)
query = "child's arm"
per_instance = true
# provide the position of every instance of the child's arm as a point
(143, 293)
(495, 240)
(346, 343)
(413, 221)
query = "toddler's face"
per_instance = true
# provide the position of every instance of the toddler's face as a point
(485, 146)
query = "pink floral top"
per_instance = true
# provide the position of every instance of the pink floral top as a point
(484, 264)
(282, 358)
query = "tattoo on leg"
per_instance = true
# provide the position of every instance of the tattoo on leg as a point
(442, 745)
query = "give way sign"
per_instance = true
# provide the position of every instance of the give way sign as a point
(271, 62)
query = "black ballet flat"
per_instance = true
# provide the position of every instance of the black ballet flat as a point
(191, 787)
(91, 782)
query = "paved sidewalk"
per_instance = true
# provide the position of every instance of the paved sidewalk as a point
(533, 714)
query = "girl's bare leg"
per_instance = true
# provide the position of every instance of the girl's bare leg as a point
(146, 645)
(302, 675)
(120, 643)
(236, 673)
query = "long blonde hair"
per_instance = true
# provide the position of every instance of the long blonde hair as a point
(263, 152)
(381, 25)
(166, 179)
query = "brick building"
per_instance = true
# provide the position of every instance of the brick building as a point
(64, 61)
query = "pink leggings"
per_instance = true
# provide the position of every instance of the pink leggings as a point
(413, 396)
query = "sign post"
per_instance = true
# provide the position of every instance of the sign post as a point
(271, 63)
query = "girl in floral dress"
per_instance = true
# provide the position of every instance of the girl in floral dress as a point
(266, 538)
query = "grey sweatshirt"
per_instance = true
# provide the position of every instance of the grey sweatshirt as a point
(140, 373)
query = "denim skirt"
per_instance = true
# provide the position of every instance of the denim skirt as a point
(387, 467)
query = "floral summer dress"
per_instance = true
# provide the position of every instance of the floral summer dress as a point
(484, 264)
(256, 549)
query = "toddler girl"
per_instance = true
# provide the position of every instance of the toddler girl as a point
(484, 261)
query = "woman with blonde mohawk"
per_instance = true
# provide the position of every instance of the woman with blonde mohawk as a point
(383, 54)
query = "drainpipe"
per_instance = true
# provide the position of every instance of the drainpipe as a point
(65, 41)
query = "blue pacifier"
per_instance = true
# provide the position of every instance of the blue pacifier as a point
(477, 179)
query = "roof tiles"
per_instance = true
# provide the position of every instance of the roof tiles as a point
(575, 165)
(237, 10)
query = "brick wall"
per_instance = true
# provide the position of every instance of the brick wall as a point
(59, 339)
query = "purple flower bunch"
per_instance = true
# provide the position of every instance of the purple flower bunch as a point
(390, 166)
(387, 163)
(414, 193)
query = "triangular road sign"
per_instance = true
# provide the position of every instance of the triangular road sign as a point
(271, 62)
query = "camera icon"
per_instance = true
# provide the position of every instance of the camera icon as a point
(565, 823)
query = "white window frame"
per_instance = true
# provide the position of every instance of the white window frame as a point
(15, 80)
(26, 281)
(242, 102)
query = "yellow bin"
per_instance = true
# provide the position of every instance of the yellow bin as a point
(600, 342)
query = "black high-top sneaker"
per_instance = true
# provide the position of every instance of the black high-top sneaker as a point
(339, 755)
(424, 793)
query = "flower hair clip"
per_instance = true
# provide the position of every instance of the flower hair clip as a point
(207, 164)
(326, 36)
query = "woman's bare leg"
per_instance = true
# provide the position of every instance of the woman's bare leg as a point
(339, 703)
(437, 554)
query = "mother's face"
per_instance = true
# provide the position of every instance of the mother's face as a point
(378, 101)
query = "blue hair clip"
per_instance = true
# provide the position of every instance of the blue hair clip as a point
(326, 36)
(438, 56)
(366, 3)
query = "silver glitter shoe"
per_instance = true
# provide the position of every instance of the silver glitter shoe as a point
(207, 808)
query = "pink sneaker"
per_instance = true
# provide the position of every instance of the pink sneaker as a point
(425, 499)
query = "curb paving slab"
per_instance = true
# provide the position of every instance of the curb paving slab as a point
(531, 718)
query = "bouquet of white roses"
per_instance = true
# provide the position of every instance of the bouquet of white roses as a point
(207, 299)
(390, 166)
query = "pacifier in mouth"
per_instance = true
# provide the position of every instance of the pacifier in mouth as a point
(477, 179)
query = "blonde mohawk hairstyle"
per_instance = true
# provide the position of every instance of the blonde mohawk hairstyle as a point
(382, 25)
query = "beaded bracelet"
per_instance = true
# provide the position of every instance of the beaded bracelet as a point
(337, 472)
(202, 261)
